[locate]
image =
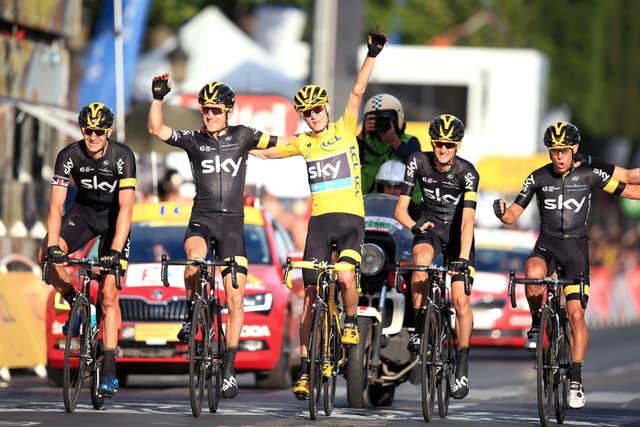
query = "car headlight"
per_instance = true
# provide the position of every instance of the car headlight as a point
(256, 302)
(372, 259)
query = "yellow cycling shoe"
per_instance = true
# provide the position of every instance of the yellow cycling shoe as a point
(350, 335)
(301, 388)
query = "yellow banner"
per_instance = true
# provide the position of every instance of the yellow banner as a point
(23, 298)
(506, 174)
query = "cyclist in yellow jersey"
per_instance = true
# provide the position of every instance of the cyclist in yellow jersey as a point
(337, 213)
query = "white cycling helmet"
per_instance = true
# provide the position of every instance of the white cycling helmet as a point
(390, 173)
(386, 102)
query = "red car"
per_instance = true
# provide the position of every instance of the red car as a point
(495, 323)
(153, 314)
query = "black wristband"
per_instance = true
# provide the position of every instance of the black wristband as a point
(416, 230)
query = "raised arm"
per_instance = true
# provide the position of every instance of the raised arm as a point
(375, 43)
(155, 123)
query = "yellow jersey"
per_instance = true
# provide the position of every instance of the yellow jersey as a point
(333, 166)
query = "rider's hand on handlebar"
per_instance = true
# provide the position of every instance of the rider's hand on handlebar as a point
(56, 255)
(111, 259)
(418, 228)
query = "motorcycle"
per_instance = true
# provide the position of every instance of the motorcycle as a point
(380, 362)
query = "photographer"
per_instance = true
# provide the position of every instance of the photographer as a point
(382, 138)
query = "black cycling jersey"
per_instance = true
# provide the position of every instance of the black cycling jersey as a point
(444, 194)
(98, 180)
(219, 165)
(564, 202)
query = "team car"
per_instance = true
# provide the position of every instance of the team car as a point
(495, 323)
(153, 314)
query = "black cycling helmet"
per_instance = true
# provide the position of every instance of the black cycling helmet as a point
(561, 135)
(310, 96)
(95, 116)
(446, 128)
(217, 93)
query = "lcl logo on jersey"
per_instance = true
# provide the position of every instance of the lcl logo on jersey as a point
(329, 143)
(446, 198)
(561, 203)
(93, 184)
(217, 166)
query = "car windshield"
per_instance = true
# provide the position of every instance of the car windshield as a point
(500, 260)
(148, 243)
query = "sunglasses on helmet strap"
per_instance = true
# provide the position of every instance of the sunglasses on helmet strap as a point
(98, 132)
(216, 111)
(317, 109)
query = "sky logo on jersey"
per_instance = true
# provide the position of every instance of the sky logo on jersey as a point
(449, 199)
(93, 184)
(68, 166)
(561, 203)
(527, 182)
(120, 165)
(217, 166)
(330, 173)
(602, 174)
(469, 180)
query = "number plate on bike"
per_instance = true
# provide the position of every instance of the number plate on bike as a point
(156, 333)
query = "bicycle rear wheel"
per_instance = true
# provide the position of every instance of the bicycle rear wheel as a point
(77, 354)
(546, 360)
(447, 370)
(214, 371)
(198, 354)
(430, 337)
(316, 358)
(561, 390)
(334, 348)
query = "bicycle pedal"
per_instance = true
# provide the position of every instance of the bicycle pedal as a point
(327, 370)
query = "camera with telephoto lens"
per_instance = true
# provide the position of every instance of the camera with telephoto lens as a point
(383, 121)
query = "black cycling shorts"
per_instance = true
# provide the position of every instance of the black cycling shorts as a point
(225, 230)
(344, 230)
(445, 233)
(82, 223)
(568, 257)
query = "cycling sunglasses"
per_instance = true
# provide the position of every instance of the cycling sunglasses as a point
(215, 110)
(317, 109)
(448, 145)
(98, 132)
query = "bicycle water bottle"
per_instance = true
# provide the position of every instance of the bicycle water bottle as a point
(94, 322)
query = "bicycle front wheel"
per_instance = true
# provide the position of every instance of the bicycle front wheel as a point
(216, 352)
(429, 359)
(331, 365)
(561, 389)
(97, 400)
(198, 355)
(77, 354)
(546, 362)
(446, 371)
(317, 341)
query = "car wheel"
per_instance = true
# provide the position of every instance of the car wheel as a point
(54, 377)
(280, 376)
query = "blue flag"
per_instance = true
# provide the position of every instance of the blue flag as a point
(98, 83)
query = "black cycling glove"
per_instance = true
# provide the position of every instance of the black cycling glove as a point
(160, 88)
(459, 266)
(584, 159)
(110, 260)
(497, 208)
(56, 255)
(377, 43)
(416, 230)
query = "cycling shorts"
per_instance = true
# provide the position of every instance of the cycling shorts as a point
(568, 257)
(225, 231)
(82, 223)
(344, 230)
(448, 234)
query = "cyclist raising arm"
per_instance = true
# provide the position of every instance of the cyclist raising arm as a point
(449, 187)
(564, 203)
(105, 174)
(218, 156)
(337, 212)
(629, 176)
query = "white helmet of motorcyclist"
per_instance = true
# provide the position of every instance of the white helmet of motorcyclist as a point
(385, 103)
(390, 176)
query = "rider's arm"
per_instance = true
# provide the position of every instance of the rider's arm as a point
(54, 221)
(511, 214)
(466, 231)
(630, 176)
(155, 121)
(126, 198)
(402, 212)
(286, 146)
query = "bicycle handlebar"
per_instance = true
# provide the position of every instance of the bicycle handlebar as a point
(321, 266)
(432, 268)
(548, 281)
(202, 264)
(88, 263)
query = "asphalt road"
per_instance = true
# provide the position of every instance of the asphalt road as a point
(503, 392)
